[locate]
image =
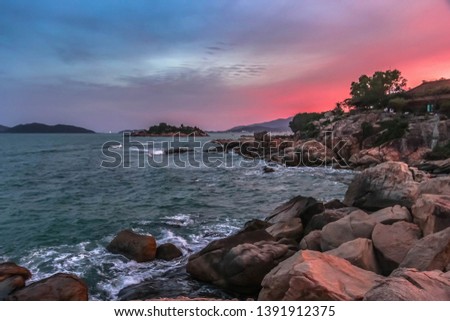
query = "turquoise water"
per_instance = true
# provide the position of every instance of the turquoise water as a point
(59, 208)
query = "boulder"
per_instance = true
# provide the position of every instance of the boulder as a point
(334, 204)
(358, 224)
(167, 252)
(238, 262)
(59, 287)
(267, 169)
(432, 213)
(314, 153)
(390, 215)
(300, 207)
(312, 241)
(140, 248)
(12, 277)
(385, 185)
(358, 252)
(254, 225)
(290, 229)
(437, 185)
(411, 285)
(429, 253)
(392, 242)
(436, 167)
(318, 221)
(314, 276)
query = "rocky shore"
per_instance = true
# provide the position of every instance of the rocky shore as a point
(389, 239)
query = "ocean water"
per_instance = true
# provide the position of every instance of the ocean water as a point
(59, 207)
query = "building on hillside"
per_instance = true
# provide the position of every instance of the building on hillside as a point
(430, 96)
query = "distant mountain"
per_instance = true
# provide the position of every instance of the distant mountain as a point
(278, 125)
(3, 128)
(35, 128)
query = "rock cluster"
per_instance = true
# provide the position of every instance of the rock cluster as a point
(389, 240)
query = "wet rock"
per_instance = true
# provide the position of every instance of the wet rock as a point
(59, 287)
(140, 248)
(393, 214)
(392, 243)
(334, 204)
(312, 241)
(255, 224)
(9, 285)
(12, 277)
(311, 275)
(267, 169)
(429, 253)
(358, 252)
(168, 252)
(411, 285)
(358, 224)
(290, 229)
(301, 207)
(238, 262)
(388, 184)
(432, 213)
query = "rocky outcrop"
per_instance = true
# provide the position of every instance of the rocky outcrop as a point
(358, 252)
(392, 214)
(388, 184)
(140, 248)
(167, 252)
(12, 277)
(290, 229)
(411, 285)
(312, 241)
(318, 221)
(436, 167)
(430, 253)
(358, 224)
(437, 185)
(392, 243)
(238, 262)
(59, 287)
(311, 275)
(298, 207)
(432, 213)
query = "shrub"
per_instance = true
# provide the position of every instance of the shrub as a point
(391, 129)
(444, 107)
(367, 130)
(398, 104)
(439, 152)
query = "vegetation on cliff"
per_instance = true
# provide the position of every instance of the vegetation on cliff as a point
(164, 129)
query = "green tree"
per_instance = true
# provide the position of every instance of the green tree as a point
(374, 91)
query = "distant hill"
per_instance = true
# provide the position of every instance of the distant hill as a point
(278, 125)
(3, 128)
(36, 128)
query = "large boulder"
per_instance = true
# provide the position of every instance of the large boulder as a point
(59, 287)
(358, 224)
(430, 253)
(238, 262)
(432, 213)
(390, 215)
(12, 277)
(437, 185)
(392, 242)
(298, 207)
(167, 252)
(140, 248)
(318, 221)
(358, 252)
(388, 184)
(311, 275)
(290, 229)
(312, 241)
(411, 285)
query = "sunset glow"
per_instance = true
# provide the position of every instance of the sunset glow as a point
(112, 65)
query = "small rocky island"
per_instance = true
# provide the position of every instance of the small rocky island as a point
(166, 130)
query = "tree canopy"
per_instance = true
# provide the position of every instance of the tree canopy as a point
(375, 91)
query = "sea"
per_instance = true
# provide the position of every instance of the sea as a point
(63, 197)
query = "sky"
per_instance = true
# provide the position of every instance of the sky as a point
(110, 65)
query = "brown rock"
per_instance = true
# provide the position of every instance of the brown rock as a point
(311, 275)
(393, 214)
(334, 204)
(254, 225)
(411, 285)
(8, 269)
(392, 242)
(358, 252)
(358, 224)
(141, 248)
(312, 241)
(385, 185)
(300, 207)
(290, 229)
(238, 262)
(318, 221)
(59, 287)
(438, 185)
(168, 252)
(9, 285)
(432, 213)
(429, 253)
